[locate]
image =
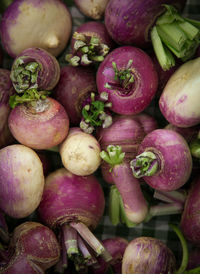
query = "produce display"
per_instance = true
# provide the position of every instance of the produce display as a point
(99, 136)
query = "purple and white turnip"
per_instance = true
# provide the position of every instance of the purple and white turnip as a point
(74, 205)
(31, 23)
(21, 180)
(35, 68)
(129, 77)
(33, 249)
(80, 152)
(163, 160)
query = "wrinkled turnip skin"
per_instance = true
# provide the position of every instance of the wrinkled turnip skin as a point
(21, 180)
(144, 85)
(145, 255)
(41, 130)
(68, 197)
(129, 22)
(6, 90)
(92, 8)
(49, 21)
(35, 245)
(175, 159)
(179, 101)
(74, 85)
(190, 219)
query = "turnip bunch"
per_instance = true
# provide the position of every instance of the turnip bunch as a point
(73, 205)
(33, 249)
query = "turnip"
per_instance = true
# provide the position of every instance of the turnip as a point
(6, 90)
(179, 101)
(129, 77)
(92, 8)
(163, 160)
(34, 248)
(21, 180)
(31, 23)
(150, 255)
(139, 22)
(90, 44)
(80, 152)
(116, 246)
(35, 68)
(74, 205)
(39, 124)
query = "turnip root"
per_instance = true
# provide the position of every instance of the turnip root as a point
(92, 8)
(179, 101)
(40, 124)
(163, 160)
(21, 180)
(35, 68)
(34, 248)
(45, 24)
(80, 152)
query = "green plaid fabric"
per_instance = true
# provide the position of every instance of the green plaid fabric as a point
(158, 226)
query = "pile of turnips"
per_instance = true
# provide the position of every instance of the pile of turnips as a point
(116, 95)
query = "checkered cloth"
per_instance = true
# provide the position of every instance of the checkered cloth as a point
(158, 226)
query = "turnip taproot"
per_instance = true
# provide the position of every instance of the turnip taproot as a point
(34, 249)
(129, 77)
(80, 152)
(39, 17)
(35, 68)
(21, 180)
(163, 160)
(39, 124)
(74, 205)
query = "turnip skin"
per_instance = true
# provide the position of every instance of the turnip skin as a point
(80, 152)
(145, 255)
(48, 71)
(21, 180)
(174, 159)
(138, 95)
(40, 127)
(74, 85)
(35, 249)
(40, 17)
(6, 90)
(179, 101)
(190, 216)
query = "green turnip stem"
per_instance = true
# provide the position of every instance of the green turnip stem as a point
(193, 271)
(195, 148)
(179, 35)
(70, 240)
(123, 76)
(165, 209)
(145, 164)
(92, 241)
(178, 196)
(184, 262)
(89, 259)
(53, 149)
(114, 206)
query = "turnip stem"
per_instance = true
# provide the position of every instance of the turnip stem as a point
(195, 148)
(92, 241)
(184, 262)
(88, 257)
(70, 240)
(114, 205)
(178, 196)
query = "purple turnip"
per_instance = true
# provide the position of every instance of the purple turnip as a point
(39, 124)
(80, 152)
(139, 22)
(74, 205)
(92, 8)
(90, 44)
(179, 101)
(129, 77)
(33, 247)
(6, 90)
(163, 160)
(31, 23)
(21, 180)
(35, 68)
